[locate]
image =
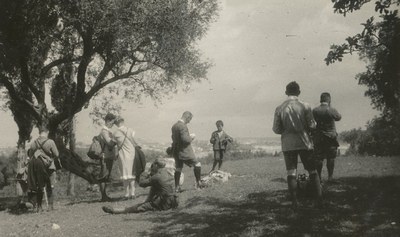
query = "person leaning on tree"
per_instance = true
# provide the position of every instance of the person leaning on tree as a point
(293, 120)
(325, 135)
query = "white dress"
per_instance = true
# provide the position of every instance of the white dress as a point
(126, 151)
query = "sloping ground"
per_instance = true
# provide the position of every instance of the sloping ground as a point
(365, 201)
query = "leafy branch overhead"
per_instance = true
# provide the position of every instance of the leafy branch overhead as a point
(77, 51)
(149, 45)
(378, 45)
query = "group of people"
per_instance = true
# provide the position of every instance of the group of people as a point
(305, 132)
(116, 145)
(163, 187)
(119, 145)
(308, 133)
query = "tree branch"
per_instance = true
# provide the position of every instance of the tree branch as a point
(127, 75)
(17, 98)
(85, 60)
(57, 62)
(26, 80)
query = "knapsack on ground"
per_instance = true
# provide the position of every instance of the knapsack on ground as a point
(96, 149)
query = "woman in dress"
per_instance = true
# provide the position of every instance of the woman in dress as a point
(126, 155)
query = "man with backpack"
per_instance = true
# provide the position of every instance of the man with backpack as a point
(43, 157)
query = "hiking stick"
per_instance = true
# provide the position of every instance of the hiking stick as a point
(45, 197)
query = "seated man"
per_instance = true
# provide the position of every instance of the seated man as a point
(161, 196)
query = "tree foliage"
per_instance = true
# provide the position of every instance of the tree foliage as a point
(75, 50)
(377, 45)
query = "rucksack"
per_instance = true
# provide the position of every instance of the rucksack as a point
(96, 149)
(40, 153)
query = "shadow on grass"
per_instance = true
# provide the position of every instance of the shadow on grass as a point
(357, 206)
(96, 199)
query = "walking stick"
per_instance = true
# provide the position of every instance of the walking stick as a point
(45, 197)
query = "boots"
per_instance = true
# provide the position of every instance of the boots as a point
(177, 177)
(292, 186)
(39, 199)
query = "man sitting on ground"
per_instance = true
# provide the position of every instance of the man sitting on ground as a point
(161, 196)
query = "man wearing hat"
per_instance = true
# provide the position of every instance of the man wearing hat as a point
(161, 196)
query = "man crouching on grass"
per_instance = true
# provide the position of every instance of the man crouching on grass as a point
(294, 120)
(162, 195)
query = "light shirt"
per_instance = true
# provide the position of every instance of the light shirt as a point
(294, 120)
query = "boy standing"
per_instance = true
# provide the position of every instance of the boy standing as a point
(220, 140)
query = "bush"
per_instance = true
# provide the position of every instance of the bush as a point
(381, 138)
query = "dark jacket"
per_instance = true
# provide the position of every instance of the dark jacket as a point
(325, 133)
(220, 143)
(162, 195)
(181, 142)
(139, 163)
(325, 116)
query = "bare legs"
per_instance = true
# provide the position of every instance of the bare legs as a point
(129, 186)
(330, 165)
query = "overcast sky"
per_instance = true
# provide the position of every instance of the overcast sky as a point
(257, 47)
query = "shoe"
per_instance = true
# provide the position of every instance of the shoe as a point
(29, 206)
(108, 209)
(198, 186)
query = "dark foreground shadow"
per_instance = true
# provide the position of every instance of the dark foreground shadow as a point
(358, 206)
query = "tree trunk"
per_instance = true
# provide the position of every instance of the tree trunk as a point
(72, 143)
(20, 187)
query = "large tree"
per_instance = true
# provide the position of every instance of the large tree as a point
(131, 48)
(379, 46)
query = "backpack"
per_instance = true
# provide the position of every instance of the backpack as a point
(96, 149)
(40, 153)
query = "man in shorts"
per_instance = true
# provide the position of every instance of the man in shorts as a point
(325, 136)
(293, 119)
(182, 150)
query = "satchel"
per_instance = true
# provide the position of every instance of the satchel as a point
(41, 154)
(96, 149)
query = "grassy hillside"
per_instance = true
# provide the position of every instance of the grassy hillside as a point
(363, 202)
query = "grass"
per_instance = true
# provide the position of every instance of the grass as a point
(365, 201)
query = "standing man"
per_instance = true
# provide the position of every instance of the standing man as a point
(43, 154)
(182, 150)
(325, 136)
(109, 155)
(294, 121)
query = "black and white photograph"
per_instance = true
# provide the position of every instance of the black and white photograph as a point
(199, 118)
